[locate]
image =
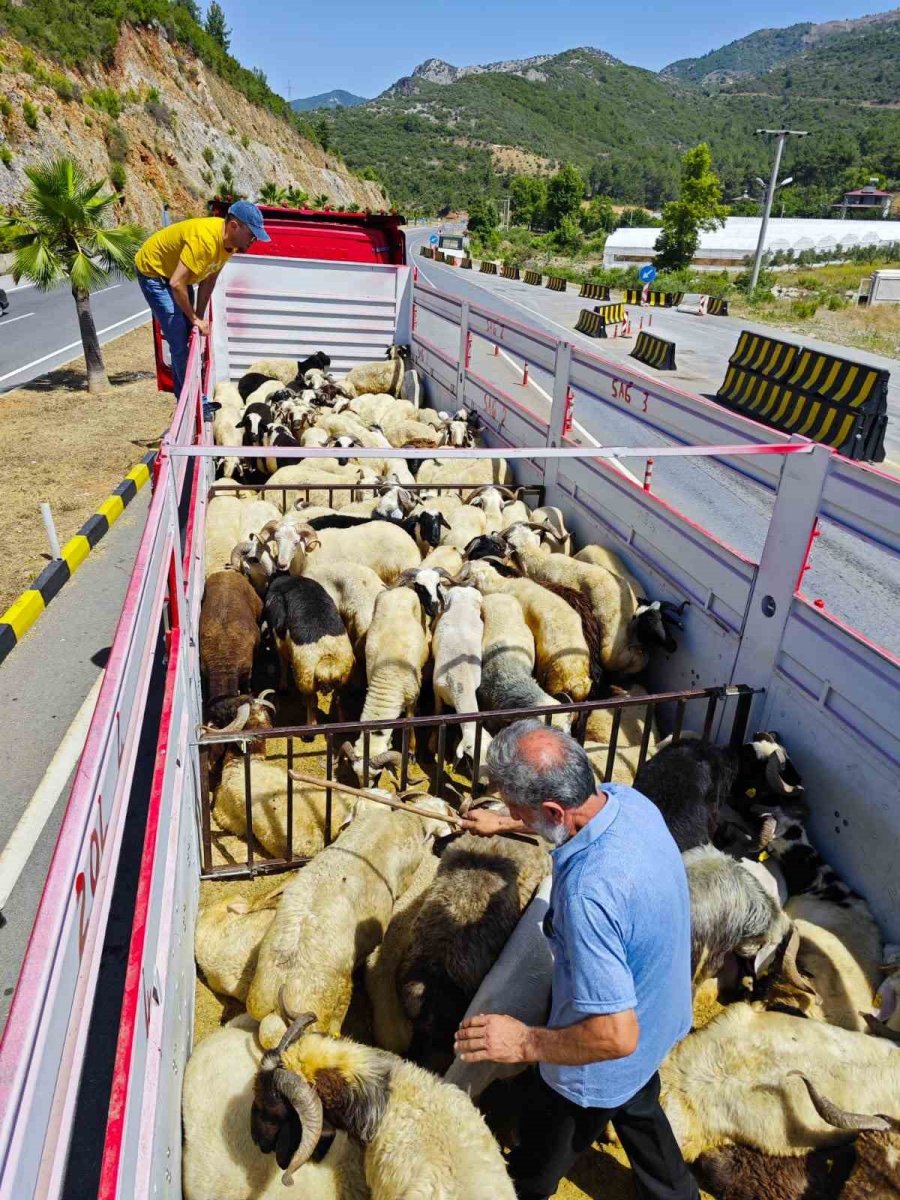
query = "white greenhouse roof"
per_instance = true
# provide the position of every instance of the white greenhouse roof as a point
(738, 238)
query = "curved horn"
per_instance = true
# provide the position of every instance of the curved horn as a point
(347, 751)
(391, 758)
(792, 972)
(547, 529)
(267, 530)
(773, 776)
(237, 555)
(242, 716)
(261, 698)
(767, 832)
(304, 1099)
(881, 1028)
(840, 1118)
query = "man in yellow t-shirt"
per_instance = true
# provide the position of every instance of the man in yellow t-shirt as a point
(189, 253)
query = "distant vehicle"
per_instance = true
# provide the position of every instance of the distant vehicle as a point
(4, 303)
(454, 245)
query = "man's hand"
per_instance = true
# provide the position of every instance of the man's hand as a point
(494, 1038)
(485, 822)
(202, 325)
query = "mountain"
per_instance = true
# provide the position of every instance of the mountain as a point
(333, 99)
(163, 125)
(444, 135)
(767, 48)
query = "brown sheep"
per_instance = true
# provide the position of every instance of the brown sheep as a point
(229, 633)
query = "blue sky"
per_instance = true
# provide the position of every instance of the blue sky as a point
(364, 47)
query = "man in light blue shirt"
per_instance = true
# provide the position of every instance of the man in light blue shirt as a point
(619, 925)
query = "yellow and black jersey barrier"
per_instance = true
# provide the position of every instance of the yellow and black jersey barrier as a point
(535, 278)
(654, 351)
(832, 400)
(488, 268)
(594, 323)
(633, 295)
(508, 271)
(466, 264)
(665, 299)
(556, 283)
(717, 307)
(594, 291)
(23, 613)
(426, 251)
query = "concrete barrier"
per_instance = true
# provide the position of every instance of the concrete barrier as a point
(594, 323)
(634, 296)
(508, 271)
(426, 251)
(594, 291)
(665, 299)
(535, 278)
(832, 400)
(717, 307)
(488, 268)
(654, 351)
(612, 313)
(466, 264)
(556, 283)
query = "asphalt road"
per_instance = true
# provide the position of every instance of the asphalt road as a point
(40, 330)
(858, 583)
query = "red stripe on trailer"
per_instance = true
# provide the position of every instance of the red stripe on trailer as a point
(131, 996)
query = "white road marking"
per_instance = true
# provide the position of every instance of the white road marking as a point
(111, 288)
(18, 849)
(10, 320)
(144, 312)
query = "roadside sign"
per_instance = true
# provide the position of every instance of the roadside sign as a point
(647, 274)
(433, 240)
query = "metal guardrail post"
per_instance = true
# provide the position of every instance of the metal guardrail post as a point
(793, 517)
(560, 408)
(463, 357)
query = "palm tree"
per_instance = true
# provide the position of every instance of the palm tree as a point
(295, 197)
(323, 200)
(62, 234)
(271, 193)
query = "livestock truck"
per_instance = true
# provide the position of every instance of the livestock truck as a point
(91, 1064)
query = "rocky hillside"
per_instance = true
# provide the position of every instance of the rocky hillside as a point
(162, 126)
(337, 98)
(435, 70)
(768, 48)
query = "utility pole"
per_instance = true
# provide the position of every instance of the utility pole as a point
(781, 135)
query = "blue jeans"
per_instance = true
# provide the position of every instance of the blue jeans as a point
(176, 328)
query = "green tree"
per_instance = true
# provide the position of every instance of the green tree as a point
(295, 197)
(565, 191)
(699, 206)
(483, 217)
(598, 215)
(193, 8)
(568, 236)
(323, 133)
(528, 200)
(271, 193)
(215, 25)
(63, 234)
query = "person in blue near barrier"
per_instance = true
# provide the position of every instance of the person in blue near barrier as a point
(619, 928)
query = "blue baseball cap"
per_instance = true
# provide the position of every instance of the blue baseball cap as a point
(249, 215)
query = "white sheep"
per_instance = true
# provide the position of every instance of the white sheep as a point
(224, 521)
(219, 1159)
(310, 480)
(334, 912)
(507, 660)
(384, 547)
(255, 516)
(354, 588)
(282, 369)
(227, 939)
(424, 1139)
(456, 649)
(598, 734)
(444, 558)
(561, 652)
(473, 471)
(385, 377)
(396, 652)
(466, 522)
(602, 556)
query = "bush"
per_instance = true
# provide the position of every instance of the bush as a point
(48, 111)
(116, 140)
(6, 155)
(568, 236)
(64, 87)
(152, 93)
(118, 176)
(765, 283)
(105, 100)
(836, 302)
(29, 113)
(28, 63)
(804, 308)
(208, 155)
(245, 141)
(5, 107)
(160, 113)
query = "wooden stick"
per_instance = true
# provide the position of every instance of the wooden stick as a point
(369, 795)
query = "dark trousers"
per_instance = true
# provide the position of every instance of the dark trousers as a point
(554, 1131)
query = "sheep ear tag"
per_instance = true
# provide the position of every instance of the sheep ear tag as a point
(750, 793)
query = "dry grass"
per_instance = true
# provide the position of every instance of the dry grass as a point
(61, 444)
(874, 329)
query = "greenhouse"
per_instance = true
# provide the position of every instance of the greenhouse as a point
(736, 241)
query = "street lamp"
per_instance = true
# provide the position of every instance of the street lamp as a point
(781, 136)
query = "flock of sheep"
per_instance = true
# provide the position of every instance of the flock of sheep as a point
(374, 585)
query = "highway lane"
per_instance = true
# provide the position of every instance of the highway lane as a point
(40, 331)
(857, 582)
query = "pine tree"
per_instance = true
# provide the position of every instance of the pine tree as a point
(215, 25)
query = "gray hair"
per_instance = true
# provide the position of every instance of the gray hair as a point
(562, 773)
